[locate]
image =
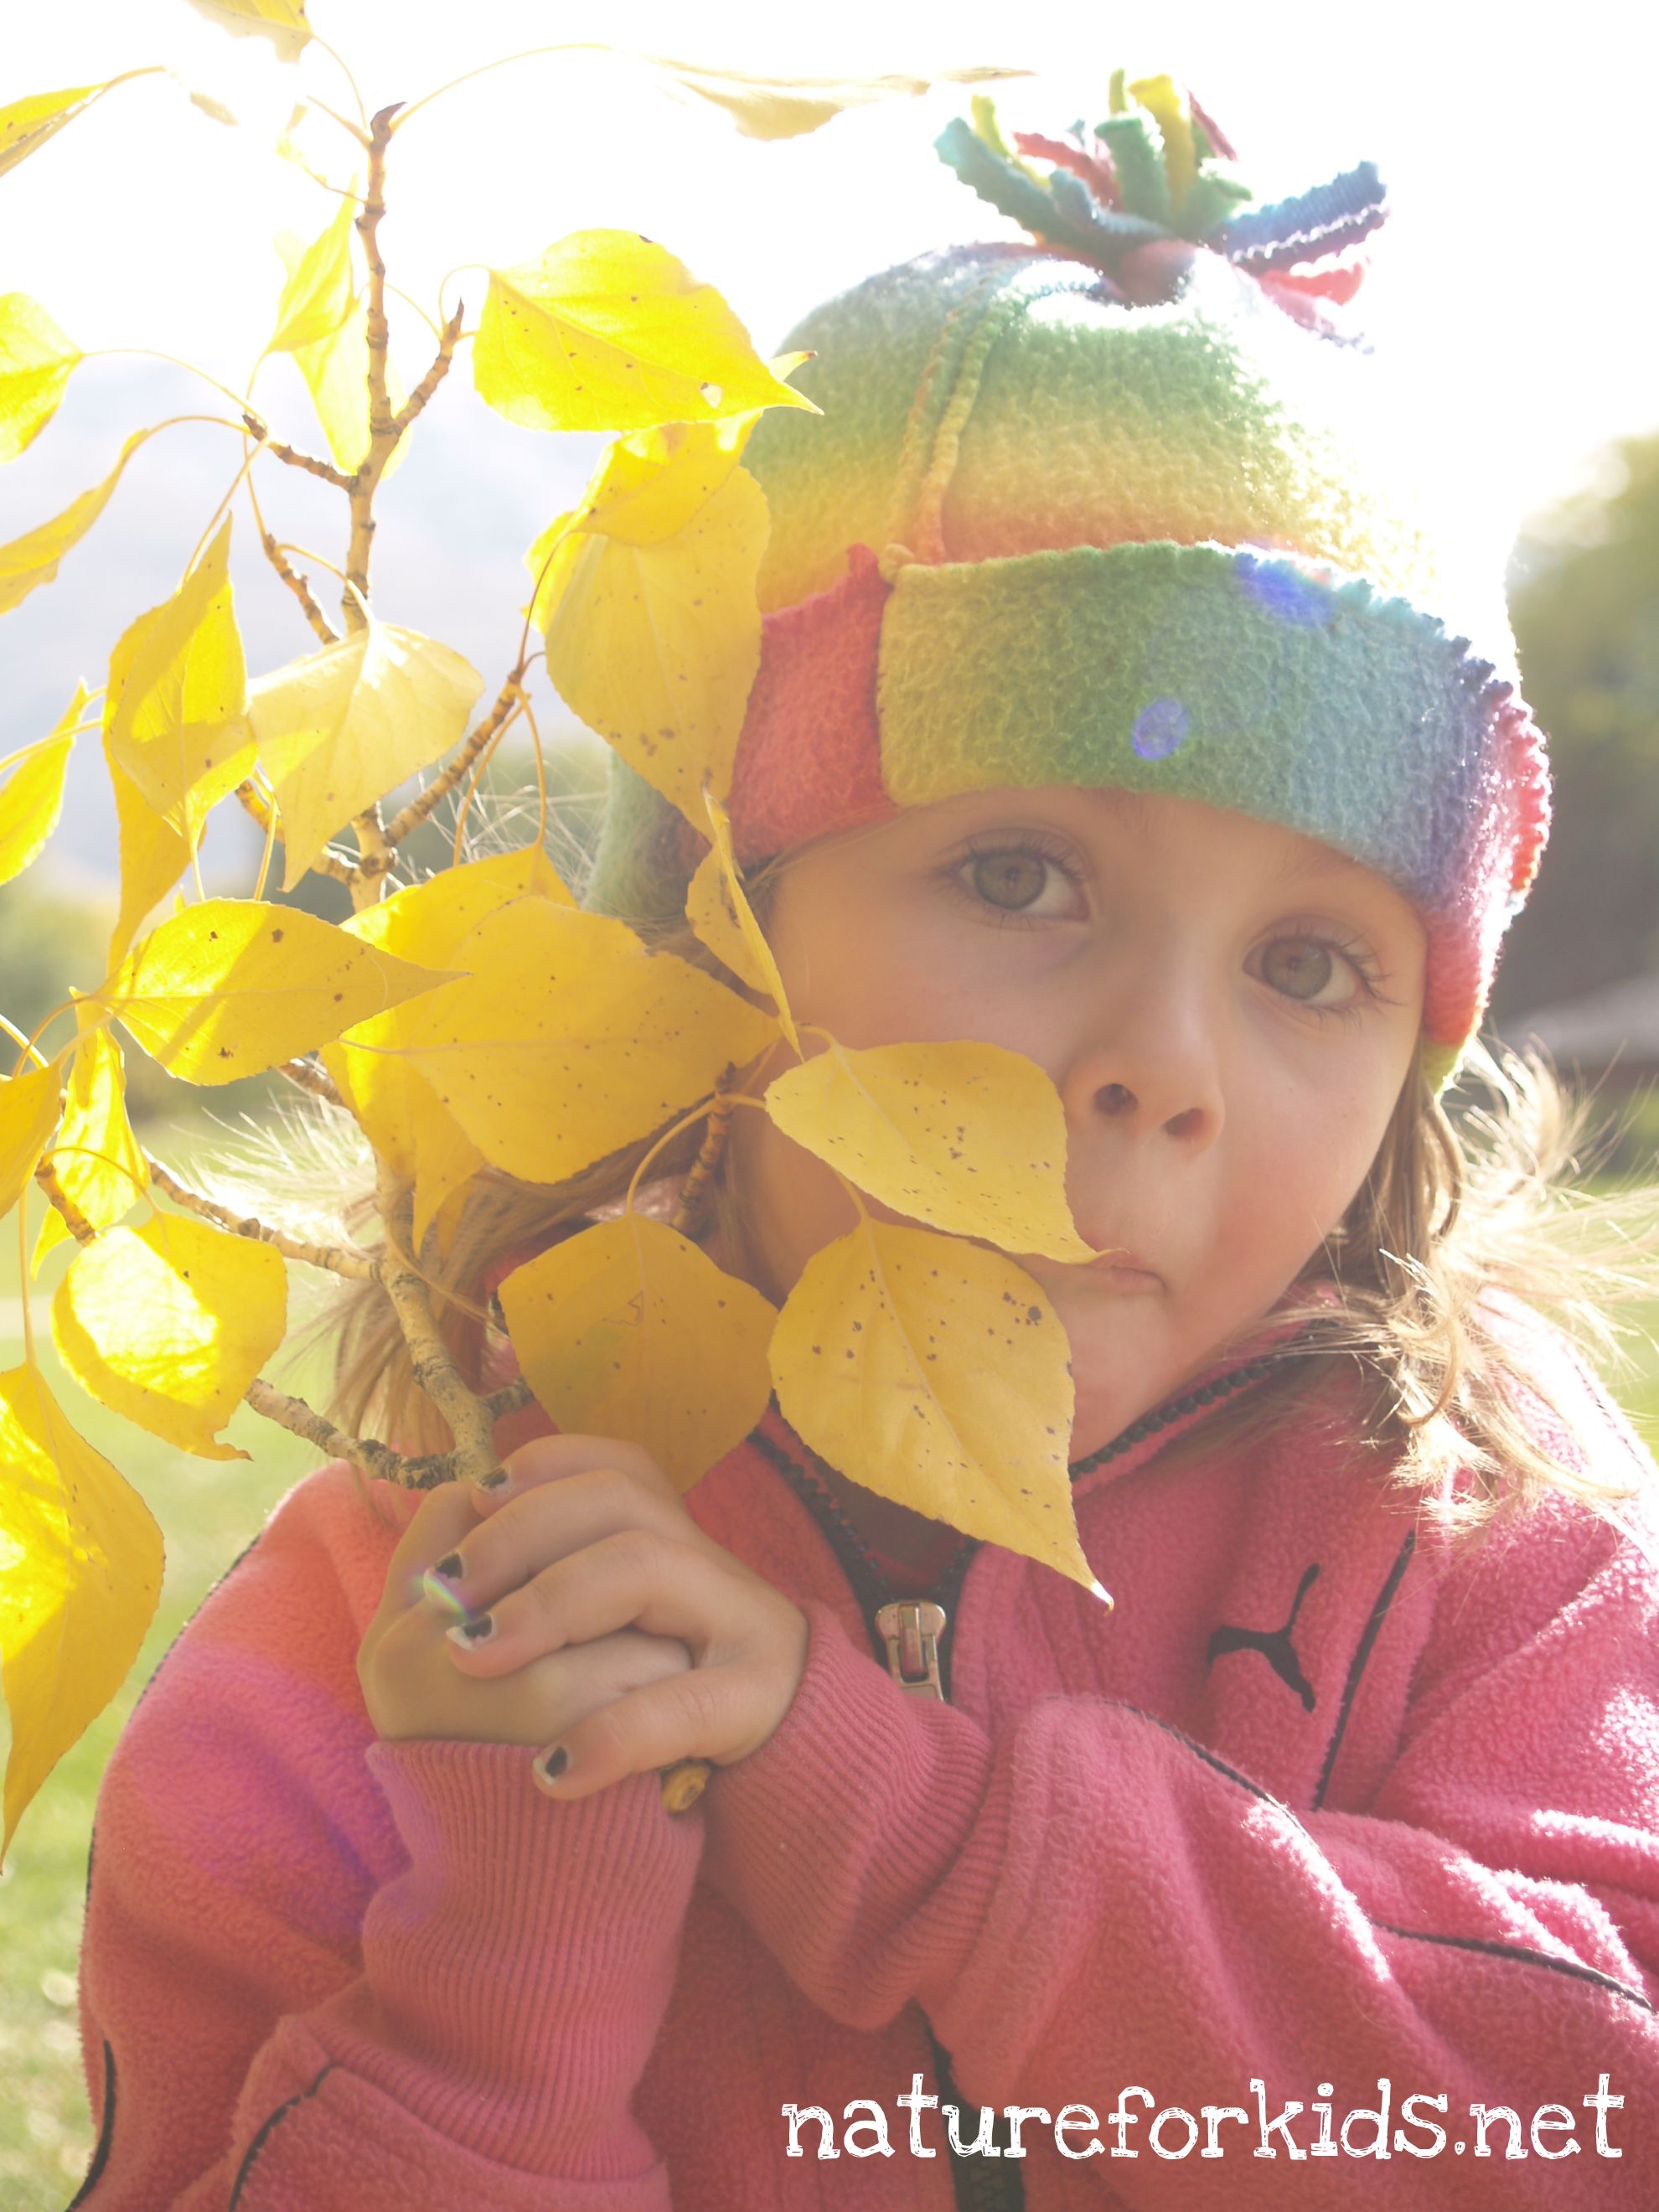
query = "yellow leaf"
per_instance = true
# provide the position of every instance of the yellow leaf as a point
(36, 364)
(176, 711)
(656, 645)
(936, 1374)
(337, 730)
(785, 107)
(33, 799)
(718, 910)
(28, 1115)
(335, 371)
(319, 293)
(32, 559)
(96, 1156)
(154, 856)
(398, 1109)
(26, 124)
(968, 1137)
(80, 1560)
(233, 986)
(570, 1039)
(609, 332)
(629, 1330)
(168, 1324)
(282, 21)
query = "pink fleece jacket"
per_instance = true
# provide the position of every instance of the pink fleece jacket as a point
(1322, 1803)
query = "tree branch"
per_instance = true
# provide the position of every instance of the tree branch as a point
(382, 429)
(302, 1420)
(434, 375)
(316, 1080)
(333, 1257)
(435, 1370)
(445, 781)
(74, 1221)
(309, 462)
(301, 591)
(254, 803)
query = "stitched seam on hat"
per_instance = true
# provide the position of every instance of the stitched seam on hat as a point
(915, 454)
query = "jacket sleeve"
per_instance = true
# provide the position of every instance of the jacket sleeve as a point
(1089, 1899)
(320, 1971)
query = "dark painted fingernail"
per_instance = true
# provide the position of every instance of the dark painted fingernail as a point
(493, 1481)
(451, 1569)
(553, 1764)
(466, 1633)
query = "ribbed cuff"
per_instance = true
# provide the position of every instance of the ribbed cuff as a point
(521, 1968)
(853, 1841)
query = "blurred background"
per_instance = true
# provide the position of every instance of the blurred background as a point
(1513, 292)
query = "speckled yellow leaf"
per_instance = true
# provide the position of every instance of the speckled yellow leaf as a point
(233, 986)
(282, 21)
(568, 1038)
(154, 855)
(32, 559)
(968, 1137)
(167, 1324)
(175, 715)
(629, 1330)
(718, 910)
(655, 646)
(396, 1106)
(338, 729)
(28, 1115)
(32, 796)
(96, 1156)
(786, 107)
(80, 1562)
(609, 332)
(26, 124)
(937, 1374)
(320, 289)
(36, 364)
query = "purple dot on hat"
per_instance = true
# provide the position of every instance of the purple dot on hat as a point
(1159, 728)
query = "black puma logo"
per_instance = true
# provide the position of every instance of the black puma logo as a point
(1274, 1646)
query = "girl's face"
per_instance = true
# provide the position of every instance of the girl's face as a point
(1227, 1010)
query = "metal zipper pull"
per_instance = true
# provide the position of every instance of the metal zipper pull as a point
(911, 1628)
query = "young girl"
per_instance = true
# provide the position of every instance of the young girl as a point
(1109, 712)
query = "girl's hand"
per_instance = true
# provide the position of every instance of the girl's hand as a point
(587, 1539)
(412, 1689)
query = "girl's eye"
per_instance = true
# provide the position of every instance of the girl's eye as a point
(1305, 968)
(1021, 882)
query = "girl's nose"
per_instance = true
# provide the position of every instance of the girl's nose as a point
(1116, 1102)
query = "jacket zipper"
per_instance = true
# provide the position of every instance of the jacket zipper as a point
(909, 1636)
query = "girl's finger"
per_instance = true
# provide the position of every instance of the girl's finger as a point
(702, 1714)
(550, 1459)
(550, 1520)
(635, 1579)
(443, 1517)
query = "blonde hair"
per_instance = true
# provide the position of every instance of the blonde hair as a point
(1458, 1216)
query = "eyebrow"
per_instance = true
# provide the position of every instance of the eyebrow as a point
(1325, 861)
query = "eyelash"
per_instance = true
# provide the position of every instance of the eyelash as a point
(1034, 846)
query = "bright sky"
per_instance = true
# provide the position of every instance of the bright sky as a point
(1514, 279)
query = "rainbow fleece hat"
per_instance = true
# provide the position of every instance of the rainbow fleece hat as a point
(1109, 507)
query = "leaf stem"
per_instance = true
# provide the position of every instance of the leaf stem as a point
(530, 53)
(149, 353)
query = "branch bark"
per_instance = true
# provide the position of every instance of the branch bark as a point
(254, 803)
(301, 591)
(256, 428)
(333, 1257)
(435, 1370)
(445, 781)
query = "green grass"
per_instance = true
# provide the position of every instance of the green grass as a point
(207, 1511)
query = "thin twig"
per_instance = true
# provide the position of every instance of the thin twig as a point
(74, 1221)
(433, 1369)
(313, 1078)
(333, 1257)
(302, 1420)
(434, 375)
(382, 429)
(309, 462)
(445, 781)
(301, 591)
(255, 803)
